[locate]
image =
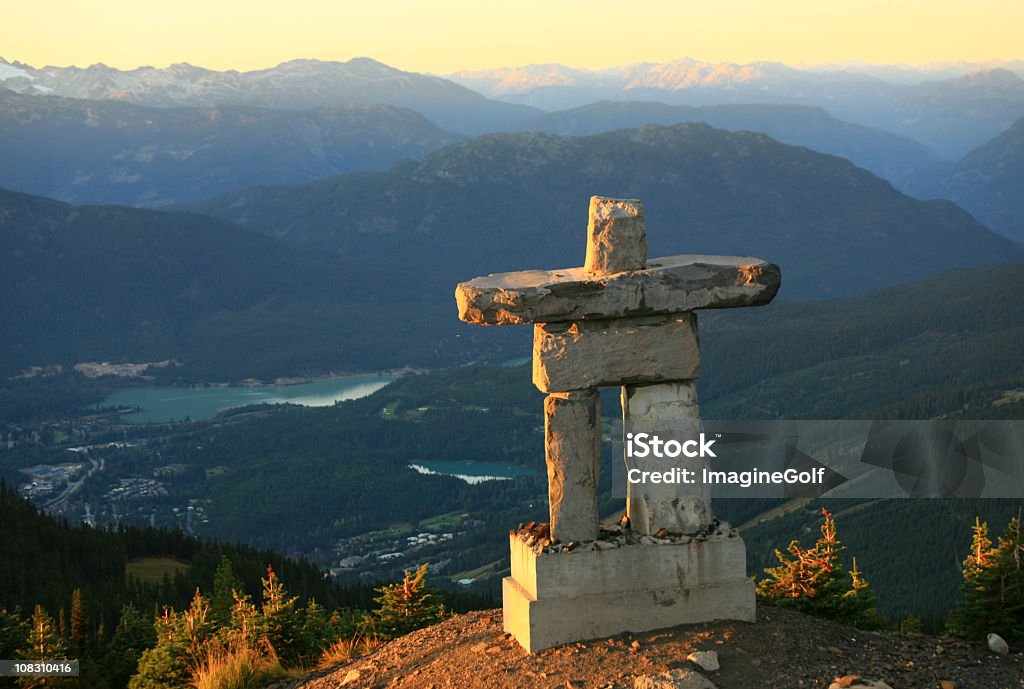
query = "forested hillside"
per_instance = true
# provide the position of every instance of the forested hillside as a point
(110, 567)
(949, 344)
(107, 283)
(519, 201)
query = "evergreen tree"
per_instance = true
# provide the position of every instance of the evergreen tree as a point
(814, 581)
(993, 585)
(407, 606)
(180, 646)
(857, 606)
(78, 629)
(280, 623)
(134, 634)
(43, 643)
(245, 626)
(225, 586)
(13, 631)
(316, 630)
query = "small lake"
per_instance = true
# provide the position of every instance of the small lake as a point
(160, 404)
(472, 472)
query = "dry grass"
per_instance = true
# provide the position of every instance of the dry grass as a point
(237, 667)
(344, 650)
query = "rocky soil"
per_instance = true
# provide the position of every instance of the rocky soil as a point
(782, 650)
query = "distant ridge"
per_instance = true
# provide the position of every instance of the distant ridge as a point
(950, 115)
(294, 85)
(514, 201)
(888, 155)
(102, 151)
(988, 181)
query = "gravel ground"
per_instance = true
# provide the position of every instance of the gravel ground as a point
(782, 650)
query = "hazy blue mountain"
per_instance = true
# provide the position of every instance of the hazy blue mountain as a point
(888, 155)
(988, 181)
(547, 86)
(935, 70)
(686, 80)
(514, 201)
(108, 283)
(294, 85)
(950, 115)
(88, 151)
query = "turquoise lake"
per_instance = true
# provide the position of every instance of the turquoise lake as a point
(160, 404)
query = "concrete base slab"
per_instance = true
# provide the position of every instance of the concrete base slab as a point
(632, 588)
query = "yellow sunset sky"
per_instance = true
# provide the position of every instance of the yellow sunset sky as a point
(444, 35)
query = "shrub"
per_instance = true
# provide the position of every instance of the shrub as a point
(407, 606)
(814, 581)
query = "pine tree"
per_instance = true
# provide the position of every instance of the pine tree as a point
(407, 606)
(13, 631)
(78, 628)
(857, 606)
(180, 645)
(134, 634)
(993, 585)
(814, 581)
(280, 621)
(245, 625)
(195, 627)
(225, 586)
(43, 642)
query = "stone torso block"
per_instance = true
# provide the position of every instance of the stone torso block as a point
(590, 354)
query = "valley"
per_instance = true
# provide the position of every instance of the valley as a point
(334, 484)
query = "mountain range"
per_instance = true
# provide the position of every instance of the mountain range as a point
(354, 264)
(988, 181)
(950, 116)
(109, 151)
(294, 85)
(555, 86)
(515, 201)
(890, 156)
(913, 74)
(89, 151)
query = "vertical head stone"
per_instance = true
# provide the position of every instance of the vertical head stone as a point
(616, 236)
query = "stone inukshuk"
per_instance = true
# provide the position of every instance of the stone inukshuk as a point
(620, 320)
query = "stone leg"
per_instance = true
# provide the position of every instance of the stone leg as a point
(572, 430)
(670, 412)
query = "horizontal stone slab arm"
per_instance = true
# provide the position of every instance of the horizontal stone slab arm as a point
(667, 285)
